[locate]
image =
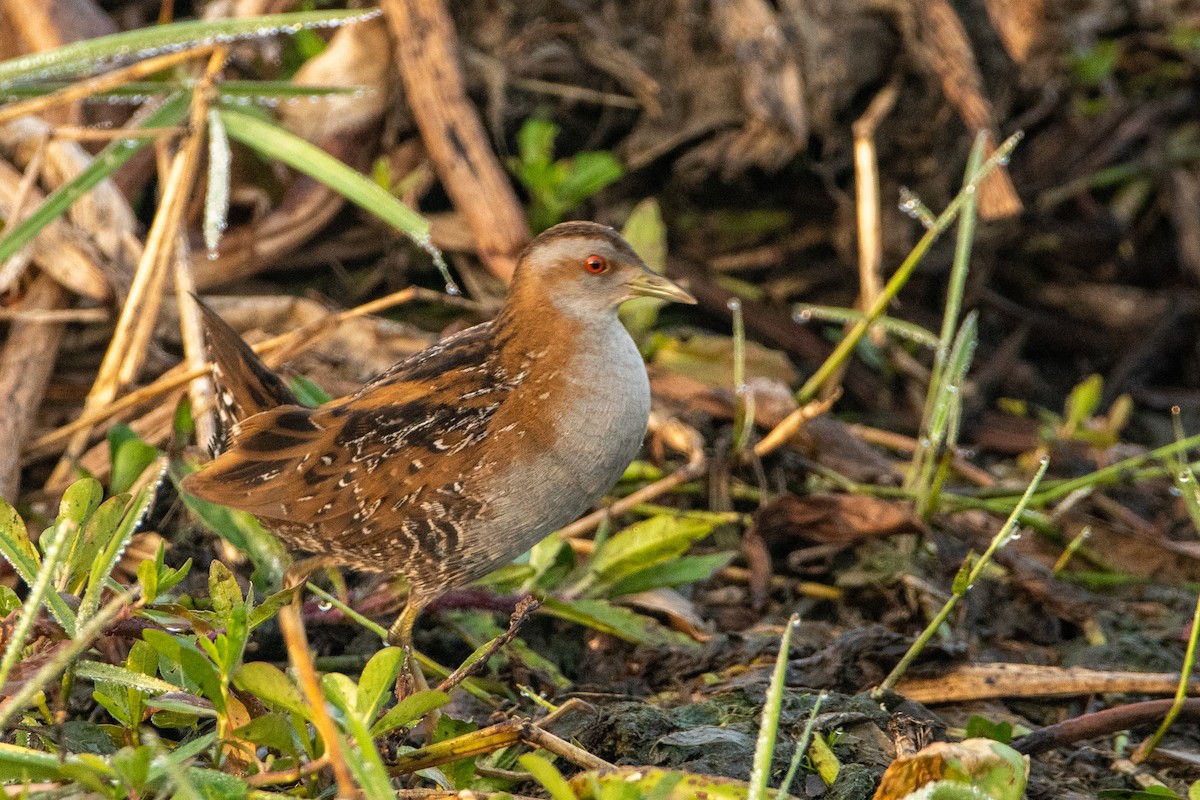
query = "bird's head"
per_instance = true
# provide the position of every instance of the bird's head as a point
(585, 270)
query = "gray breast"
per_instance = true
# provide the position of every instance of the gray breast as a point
(604, 427)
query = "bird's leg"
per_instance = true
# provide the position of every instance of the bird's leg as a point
(299, 573)
(400, 635)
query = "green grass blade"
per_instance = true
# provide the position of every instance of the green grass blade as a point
(113, 547)
(97, 54)
(106, 162)
(764, 749)
(809, 390)
(272, 141)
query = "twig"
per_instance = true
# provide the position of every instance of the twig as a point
(26, 363)
(1102, 723)
(300, 657)
(425, 44)
(472, 666)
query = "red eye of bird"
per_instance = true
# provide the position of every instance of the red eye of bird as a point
(596, 264)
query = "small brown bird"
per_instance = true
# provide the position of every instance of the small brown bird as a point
(465, 455)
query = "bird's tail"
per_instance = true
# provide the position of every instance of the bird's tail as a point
(244, 384)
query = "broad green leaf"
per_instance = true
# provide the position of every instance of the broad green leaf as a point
(273, 142)
(22, 764)
(548, 776)
(223, 590)
(110, 673)
(110, 553)
(409, 710)
(130, 456)
(79, 501)
(270, 730)
(133, 765)
(709, 359)
(646, 544)
(679, 572)
(184, 704)
(95, 535)
(587, 174)
(273, 687)
(9, 601)
(675, 785)
(377, 681)
(603, 616)
(341, 691)
(98, 53)
(15, 545)
(270, 607)
(535, 142)
(646, 232)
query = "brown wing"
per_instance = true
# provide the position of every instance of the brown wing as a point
(244, 384)
(389, 446)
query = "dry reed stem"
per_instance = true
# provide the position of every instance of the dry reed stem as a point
(127, 348)
(868, 206)
(12, 269)
(292, 627)
(425, 46)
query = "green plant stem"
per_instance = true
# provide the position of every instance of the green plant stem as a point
(1181, 692)
(960, 588)
(801, 746)
(809, 390)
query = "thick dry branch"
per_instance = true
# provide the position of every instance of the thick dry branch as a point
(25, 366)
(425, 41)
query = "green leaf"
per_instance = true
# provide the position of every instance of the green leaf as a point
(982, 727)
(602, 616)
(270, 730)
(681, 571)
(646, 544)
(586, 175)
(15, 545)
(22, 765)
(646, 232)
(224, 591)
(120, 676)
(132, 764)
(273, 142)
(409, 710)
(341, 691)
(9, 601)
(548, 776)
(535, 142)
(79, 501)
(91, 55)
(270, 607)
(307, 392)
(130, 457)
(272, 686)
(1082, 403)
(110, 553)
(376, 682)
(96, 535)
